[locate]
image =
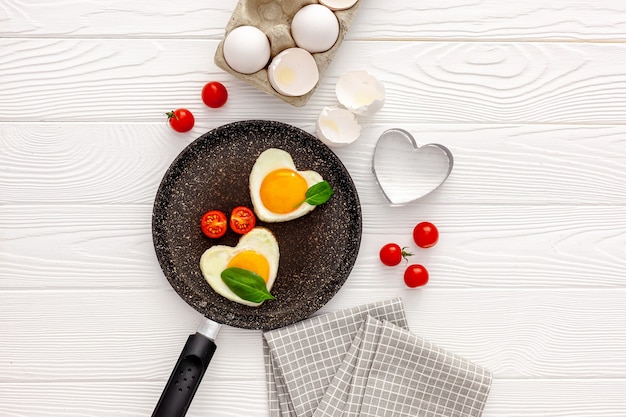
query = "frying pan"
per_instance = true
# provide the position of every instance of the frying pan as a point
(317, 251)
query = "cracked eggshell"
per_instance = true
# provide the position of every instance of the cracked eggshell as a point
(360, 92)
(337, 127)
(293, 72)
(338, 4)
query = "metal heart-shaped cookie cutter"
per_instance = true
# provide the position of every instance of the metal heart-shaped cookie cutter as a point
(406, 172)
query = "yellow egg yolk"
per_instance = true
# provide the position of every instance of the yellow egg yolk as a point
(252, 261)
(282, 190)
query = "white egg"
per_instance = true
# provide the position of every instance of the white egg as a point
(277, 188)
(246, 49)
(338, 4)
(257, 251)
(315, 28)
(293, 72)
(337, 127)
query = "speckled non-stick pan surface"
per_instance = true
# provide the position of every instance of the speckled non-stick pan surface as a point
(317, 251)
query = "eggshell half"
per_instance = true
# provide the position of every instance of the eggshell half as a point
(360, 92)
(293, 72)
(338, 4)
(337, 127)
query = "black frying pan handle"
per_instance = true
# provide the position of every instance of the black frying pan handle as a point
(185, 378)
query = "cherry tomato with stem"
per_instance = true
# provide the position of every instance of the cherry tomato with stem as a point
(214, 94)
(391, 254)
(242, 220)
(181, 120)
(214, 224)
(425, 235)
(415, 276)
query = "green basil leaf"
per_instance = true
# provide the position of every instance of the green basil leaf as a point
(318, 194)
(246, 284)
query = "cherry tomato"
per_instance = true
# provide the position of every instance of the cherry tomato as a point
(242, 220)
(214, 94)
(425, 235)
(391, 254)
(415, 276)
(181, 120)
(214, 223)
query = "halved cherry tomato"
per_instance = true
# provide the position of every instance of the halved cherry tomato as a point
(214, 94)
(391, 254)
(415, 276)
(425, 235)
(214, 224)
(242, 220)
(181, 120)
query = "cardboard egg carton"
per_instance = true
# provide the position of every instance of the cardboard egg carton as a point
(273, 17)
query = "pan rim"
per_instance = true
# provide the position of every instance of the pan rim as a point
(239, 315)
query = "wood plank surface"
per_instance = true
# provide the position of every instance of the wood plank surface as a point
(123, 163)
(96, 246)
(528, 276)
(531, 20)
(138, 80)
(136, 335)
(510, 398)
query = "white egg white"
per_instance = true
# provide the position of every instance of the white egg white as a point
(215, 260)
(271, 160)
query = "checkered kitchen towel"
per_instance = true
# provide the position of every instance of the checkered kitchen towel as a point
(302, 359)
(364, 362)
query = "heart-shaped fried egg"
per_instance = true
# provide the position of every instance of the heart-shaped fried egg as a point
(256, 251)
(278, 189)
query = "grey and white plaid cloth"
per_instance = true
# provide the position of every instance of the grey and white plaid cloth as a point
(363, 362)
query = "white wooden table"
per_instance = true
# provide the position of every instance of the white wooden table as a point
(528, 278)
